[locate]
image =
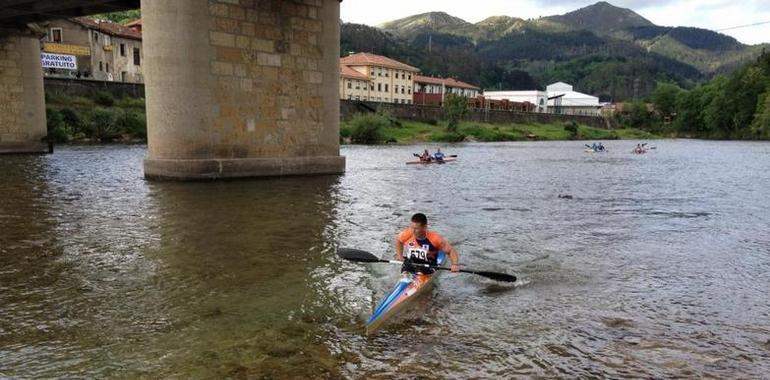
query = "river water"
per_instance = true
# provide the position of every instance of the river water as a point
(659, 266)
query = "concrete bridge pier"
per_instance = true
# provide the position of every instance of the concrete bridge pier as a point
(22, 100)
(241, 88)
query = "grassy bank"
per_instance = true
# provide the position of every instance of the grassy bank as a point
(374, 128)
(100, 118)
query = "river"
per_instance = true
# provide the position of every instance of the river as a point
(658, 266)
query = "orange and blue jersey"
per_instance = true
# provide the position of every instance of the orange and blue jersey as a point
(425, 250)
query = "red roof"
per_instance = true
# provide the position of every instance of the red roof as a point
(347, 72)
(448, 82)
(108, 27)
(137, 22)
(369, 59)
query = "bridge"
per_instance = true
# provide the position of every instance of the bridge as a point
(234, 88)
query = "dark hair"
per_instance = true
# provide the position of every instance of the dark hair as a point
(420, 218)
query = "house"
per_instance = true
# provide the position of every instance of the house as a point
(432, 90)
(538, 98)
(562, 99)
(103, 50)
(354, 85)
(388, 80)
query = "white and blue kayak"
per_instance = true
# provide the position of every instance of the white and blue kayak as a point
(407, 289)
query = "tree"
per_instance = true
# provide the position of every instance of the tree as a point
(455, 108)
(761, 124)
(664, 98)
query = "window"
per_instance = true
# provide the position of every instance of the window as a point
(358, 85)
(350, 84)
(396, 75)
(107, 67)
(372, 72)
(410, 77)
(122, 50)
(379, 72)
(379, 86)
(101, 66)
(123, 76)
(96, 36)
(403, 89)
(386, 87)
(137, 57)
(55, 35)
(372, 86)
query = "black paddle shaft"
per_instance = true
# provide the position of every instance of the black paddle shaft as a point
(360, 256)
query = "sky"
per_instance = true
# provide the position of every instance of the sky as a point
(707, 14)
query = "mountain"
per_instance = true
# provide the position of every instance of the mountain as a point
(603, 49)
(432, 21)
(601, 18)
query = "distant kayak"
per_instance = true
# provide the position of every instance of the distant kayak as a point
(595, 151)
(448, 159)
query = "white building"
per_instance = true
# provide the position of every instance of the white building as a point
(558, 98)
(563, 100)
(538, 98)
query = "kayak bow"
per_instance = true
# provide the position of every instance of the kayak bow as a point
(407, 289)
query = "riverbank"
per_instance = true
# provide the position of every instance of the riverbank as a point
(105, 118)
(374, 129)
(100, 118)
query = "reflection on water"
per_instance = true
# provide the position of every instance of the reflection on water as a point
(658, 266)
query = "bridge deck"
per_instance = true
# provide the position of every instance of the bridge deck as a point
(15, 13)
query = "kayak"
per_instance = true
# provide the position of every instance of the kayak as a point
(408, 288)
(639, 152)
(594, 151)
(448, 159)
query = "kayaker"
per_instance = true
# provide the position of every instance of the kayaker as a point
(425, 156)
(438, 156)
(600, 147)
(416, 244)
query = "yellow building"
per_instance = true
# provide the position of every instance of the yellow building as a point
(374, 78)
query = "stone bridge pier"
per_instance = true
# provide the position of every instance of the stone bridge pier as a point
(22, 101)
(241, 88)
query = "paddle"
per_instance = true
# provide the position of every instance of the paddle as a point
(360, 256)
(417, 155)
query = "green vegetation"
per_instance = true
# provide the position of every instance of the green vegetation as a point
(381, 129)
(101, 118)
(603, 50)
(728, 107)
(455, 108)
(123, 17)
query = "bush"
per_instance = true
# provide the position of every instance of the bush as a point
(133, 123)
(572, 129)
(367, 129)
(127, 102)
(72, 120)
(455, 108)
(104, 99)
(102, 125)
(57, 129)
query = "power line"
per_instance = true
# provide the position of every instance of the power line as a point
(743, 26)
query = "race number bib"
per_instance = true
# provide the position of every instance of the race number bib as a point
(420, 253)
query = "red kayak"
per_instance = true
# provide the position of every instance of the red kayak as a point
(448, 159)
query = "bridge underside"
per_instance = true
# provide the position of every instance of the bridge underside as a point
(234, 88)
(18, 13)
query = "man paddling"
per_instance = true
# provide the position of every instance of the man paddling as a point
(416, 244)
(438, 156)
